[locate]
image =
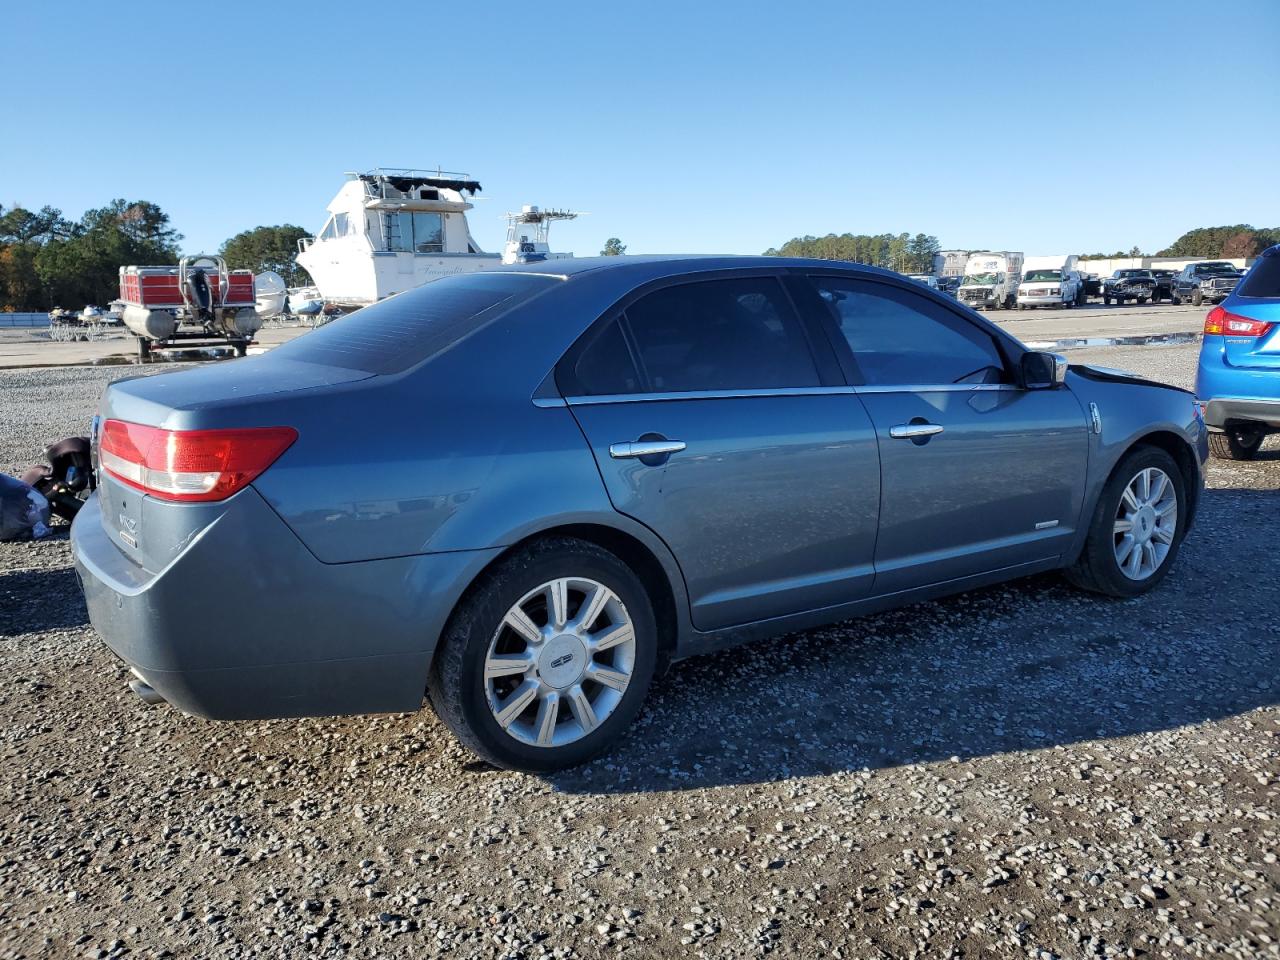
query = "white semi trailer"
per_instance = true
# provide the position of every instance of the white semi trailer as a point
(991, 280)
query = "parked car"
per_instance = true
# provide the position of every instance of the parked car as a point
(524, 491)
(1209, 282)
(1130, 284)
(949, 285)
(1164, 285)
(1238, 376)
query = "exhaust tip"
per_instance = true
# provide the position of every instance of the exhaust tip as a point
(145, 692)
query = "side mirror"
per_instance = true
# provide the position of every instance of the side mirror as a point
(1043, 371)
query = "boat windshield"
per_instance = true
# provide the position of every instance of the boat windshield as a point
(1042, 275)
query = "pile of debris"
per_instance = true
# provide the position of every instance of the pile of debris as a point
(56, 488)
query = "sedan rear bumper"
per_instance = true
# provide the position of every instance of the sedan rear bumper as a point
(245, 623)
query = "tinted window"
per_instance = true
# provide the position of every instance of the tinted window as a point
(1262, 280)
(720, 335)
(603, 366)
(898, 337)
(398, 333)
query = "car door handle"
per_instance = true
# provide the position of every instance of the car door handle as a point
(645, 448)
(909, 431)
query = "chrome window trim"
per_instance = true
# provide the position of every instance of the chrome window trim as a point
(582, 401)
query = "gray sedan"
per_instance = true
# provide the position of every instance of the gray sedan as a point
(524, 492)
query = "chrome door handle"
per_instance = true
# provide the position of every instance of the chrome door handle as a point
(645, 448)
(908, 431)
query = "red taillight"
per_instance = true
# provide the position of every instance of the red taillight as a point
(189, 465)
(1227, 324)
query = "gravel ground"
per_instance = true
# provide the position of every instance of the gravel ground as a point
(1020, 771)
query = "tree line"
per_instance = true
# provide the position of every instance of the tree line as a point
(48, 260)
(914, 254)
(902, 251)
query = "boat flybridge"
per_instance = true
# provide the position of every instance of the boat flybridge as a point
(390, 230)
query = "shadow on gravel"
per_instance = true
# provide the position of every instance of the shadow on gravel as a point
(1025, 666)
(33, 601)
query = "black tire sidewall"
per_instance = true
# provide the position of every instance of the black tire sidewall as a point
(457, 685)
(1101, 536)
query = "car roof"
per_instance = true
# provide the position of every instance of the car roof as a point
(645, 267)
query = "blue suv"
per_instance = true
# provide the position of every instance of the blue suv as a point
(1238, 378)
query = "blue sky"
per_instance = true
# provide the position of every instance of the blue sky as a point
(692, 127)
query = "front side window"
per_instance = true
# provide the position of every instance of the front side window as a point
(900, 338)
(736, 334)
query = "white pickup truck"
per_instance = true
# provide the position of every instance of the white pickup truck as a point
(1051, 282)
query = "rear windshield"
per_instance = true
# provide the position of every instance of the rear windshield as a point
(1262, 280)
(398, 333)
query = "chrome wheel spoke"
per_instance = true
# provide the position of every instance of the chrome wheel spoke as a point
(516, 703)
(1124, 548)
(507, 665)
(1134, 564)
(611, 637)
(1122, 526)
(592, 607)
(519, 621)
(1144, 486)
(1163, 534)
(1129, 500)
(1158, 487)
(582, 710)
(545, 724)
(1168, 507)
(608, 676)
(557, 603)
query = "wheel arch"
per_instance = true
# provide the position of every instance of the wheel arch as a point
(662, 580)
(1183, 455)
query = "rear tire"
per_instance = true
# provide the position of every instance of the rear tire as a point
(1235, 444)
(1106, 301)
(1098, 568)
(1142, 299)
(469, 702)
(1197, 298)
(1175, 299)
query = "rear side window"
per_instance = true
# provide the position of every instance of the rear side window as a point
(900, 338)
(398, 333)
(720, 335)
(1262, 280)
(604, 365)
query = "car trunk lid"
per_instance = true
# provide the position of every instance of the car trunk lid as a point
(152, 531)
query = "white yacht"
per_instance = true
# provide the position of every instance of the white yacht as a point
(390, 230)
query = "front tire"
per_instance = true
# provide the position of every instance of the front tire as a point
(1235, 444)
(548, 658)
(1197, 298)
(1136, 529)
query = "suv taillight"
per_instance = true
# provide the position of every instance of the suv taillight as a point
(1228, 324)
(189, 465)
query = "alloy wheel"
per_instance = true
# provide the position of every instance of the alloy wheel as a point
(1146, 523)
(560, 661)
